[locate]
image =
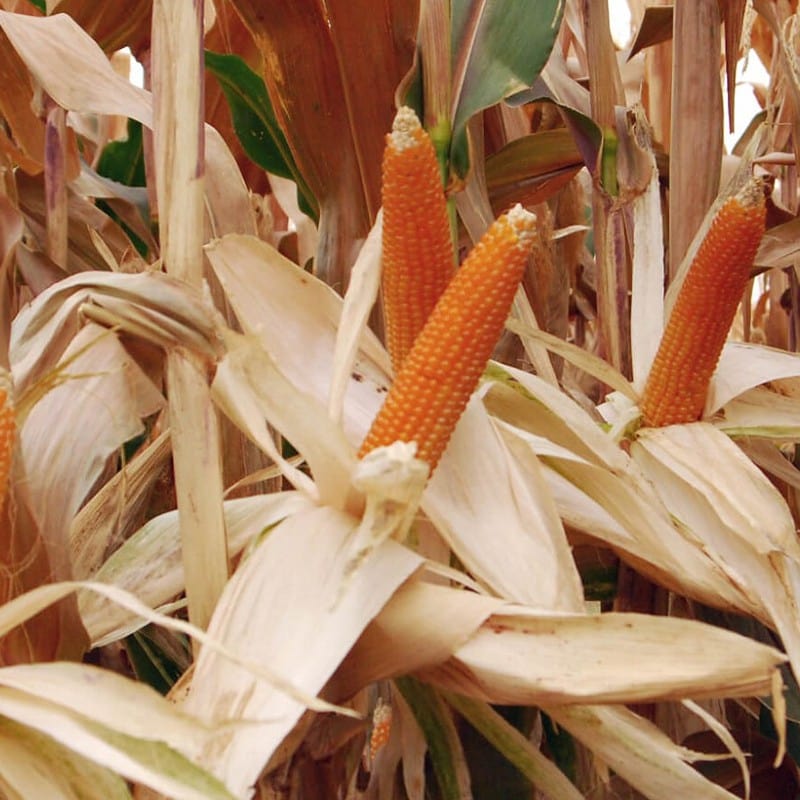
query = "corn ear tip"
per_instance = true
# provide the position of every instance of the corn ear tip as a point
(405, 128)
(523, 223)
(752, 193)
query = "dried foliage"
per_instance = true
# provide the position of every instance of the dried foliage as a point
(583, 600)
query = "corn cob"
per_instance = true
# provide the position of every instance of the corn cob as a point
(434, 384)
(7, 432)
(381, 728)
(417, 249)
(704, 309)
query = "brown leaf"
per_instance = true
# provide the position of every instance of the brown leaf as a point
(655, 28)
(83, 218)
(331, 72)
(113, 25)
(32, 556)
(779, 246)
(16, 96)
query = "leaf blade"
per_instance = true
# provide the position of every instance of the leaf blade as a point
(498, 48)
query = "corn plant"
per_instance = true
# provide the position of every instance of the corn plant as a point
(406, 390)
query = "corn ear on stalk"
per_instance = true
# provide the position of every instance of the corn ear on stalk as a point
(8, 430)
(381, 729)
(704, 309)
(418, 258)
(434, 384)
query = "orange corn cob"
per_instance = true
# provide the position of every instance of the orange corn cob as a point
(417, 249)
(434, 384)
(381, 728)
(7, 432)
(695, 334)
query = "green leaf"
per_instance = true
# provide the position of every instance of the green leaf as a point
(562, 746)
(608, 163)
(499, 47)
(531, 156)
(516, 747)
(436, 721)
(532, 168)
(41, 5)
(123, 160)
(587, 135)
(255, 123)
(158, 657)
(35, 765)
(148, 761)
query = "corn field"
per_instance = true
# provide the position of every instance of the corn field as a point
(399, 400)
